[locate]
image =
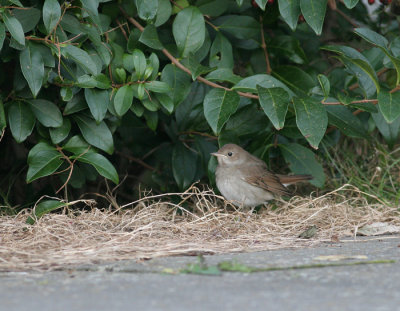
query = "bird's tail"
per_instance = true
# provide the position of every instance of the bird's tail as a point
(291, 179)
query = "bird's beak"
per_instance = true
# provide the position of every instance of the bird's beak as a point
(216, 154)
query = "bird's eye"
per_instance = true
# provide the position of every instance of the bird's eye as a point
(229, 154)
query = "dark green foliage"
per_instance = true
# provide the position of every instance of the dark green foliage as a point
(146, 89)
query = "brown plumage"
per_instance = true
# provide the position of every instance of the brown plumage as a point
(245, 180)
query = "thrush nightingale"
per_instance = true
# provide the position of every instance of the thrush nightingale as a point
(245, 179)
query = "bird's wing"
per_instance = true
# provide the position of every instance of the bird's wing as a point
(264, 179)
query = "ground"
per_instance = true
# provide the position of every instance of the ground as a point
(366, 278)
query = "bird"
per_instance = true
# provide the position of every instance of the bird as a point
(245, 179)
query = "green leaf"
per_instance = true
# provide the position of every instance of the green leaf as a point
(163, 12)
(150, 38)
(32, 67)
(123, 100)
(214, 7)
(239, 26)
(3, 121)
(77, 145)
(81, 57)
(389, 131)
(14, 27)
(221, 54)
(302, 161)
(298, 80)
(43, 208)
(178, 81)
(147, 9)
(76, 104)
(290, 11)
(189, 29)
(97, 135)
(219, 105)
(389, 105)
(137, 108)
(275, 102)
(151, 119)
(345, 121)
(314, 13)
(184, 166)
(98, 101)
(287, 47)
(21, 120)
(354, 60)
(223, 75)
(157, 86)
(66, 94)
(2, 35)
(311, 119)
(28, 17)
(100, 163)
(195, 67)
(261, 4)
(58, 134)
(166, 102)
(372, 37)
(249, 84)
(46, 112)
(381, 42)
(325, 85)
(350, 3)
(43, 160)
(51, 14)
(139, 62)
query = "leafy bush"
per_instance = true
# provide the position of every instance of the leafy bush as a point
(90, 86)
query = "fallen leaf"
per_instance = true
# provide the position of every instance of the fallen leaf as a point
(378, 228)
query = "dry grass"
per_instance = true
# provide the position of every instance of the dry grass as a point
(155, 227)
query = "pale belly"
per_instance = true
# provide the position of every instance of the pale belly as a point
(242, 193)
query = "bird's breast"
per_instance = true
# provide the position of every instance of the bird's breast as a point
(233, 186)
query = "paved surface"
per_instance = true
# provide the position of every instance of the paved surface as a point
(143, 286)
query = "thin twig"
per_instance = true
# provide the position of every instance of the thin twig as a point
(264, 46)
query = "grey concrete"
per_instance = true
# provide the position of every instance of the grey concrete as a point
(141, 286)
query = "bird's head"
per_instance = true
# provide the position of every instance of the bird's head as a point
(231, 155)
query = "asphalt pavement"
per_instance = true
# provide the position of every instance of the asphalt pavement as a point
(351, 275)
